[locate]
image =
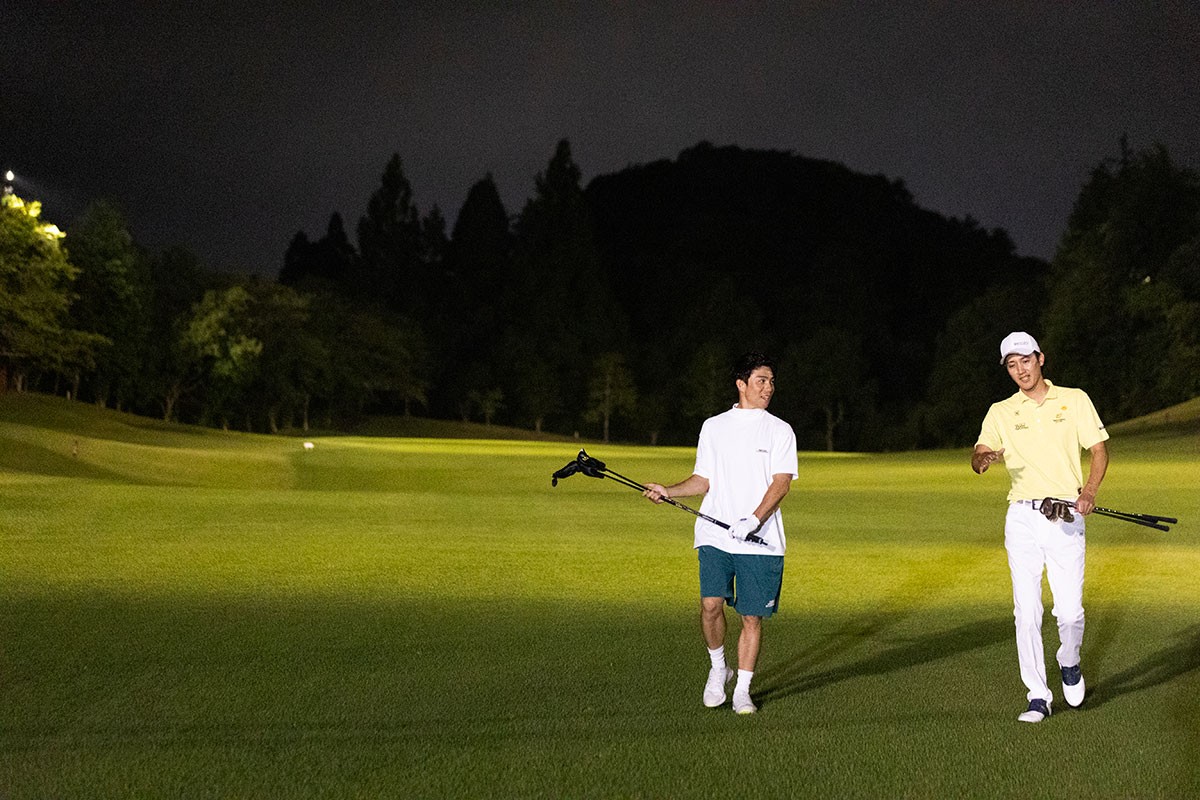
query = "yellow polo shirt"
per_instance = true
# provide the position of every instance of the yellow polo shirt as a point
(1042, 443)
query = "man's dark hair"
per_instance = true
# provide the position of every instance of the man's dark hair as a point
(749, 362)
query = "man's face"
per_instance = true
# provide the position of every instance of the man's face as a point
(1026, 371)
(757, 390)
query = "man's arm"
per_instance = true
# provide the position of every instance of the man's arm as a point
(984, 457)
(780, 484)
(689, 487)
(1087, 497)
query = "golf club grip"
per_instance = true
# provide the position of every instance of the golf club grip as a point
(1135, 520)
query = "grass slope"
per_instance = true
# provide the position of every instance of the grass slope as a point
(194, 613)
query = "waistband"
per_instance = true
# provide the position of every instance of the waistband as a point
(1040, 500)
(1037, 504)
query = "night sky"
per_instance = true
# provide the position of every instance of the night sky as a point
(227, 127)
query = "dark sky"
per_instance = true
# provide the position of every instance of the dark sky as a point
(228, 126)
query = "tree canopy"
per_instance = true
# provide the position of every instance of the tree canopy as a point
(36, 283)
(613, 309)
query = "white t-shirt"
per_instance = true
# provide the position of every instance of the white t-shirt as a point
(739, 452)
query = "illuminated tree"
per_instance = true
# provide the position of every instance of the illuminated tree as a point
(218, 343)
(35, 296)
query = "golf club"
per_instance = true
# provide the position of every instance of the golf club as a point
(1148, 520)
(595, 468)
(1133, 515)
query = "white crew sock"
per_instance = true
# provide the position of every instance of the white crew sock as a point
(743, 681)
(717, 656)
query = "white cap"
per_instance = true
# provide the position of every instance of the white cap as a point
(1018, 343)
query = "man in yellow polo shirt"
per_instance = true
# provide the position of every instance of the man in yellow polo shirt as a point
(1039, 433)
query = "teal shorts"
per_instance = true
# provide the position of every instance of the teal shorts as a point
(750, 584)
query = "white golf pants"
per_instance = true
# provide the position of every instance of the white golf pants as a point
(1035, 543)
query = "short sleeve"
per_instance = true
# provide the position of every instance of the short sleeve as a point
(705, 467)
(783, 453)
(1091, 430)
(989, 434)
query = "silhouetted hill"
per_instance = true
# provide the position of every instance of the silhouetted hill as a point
(768, 246)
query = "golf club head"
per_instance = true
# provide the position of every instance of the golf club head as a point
(566, 472)
(594, 463)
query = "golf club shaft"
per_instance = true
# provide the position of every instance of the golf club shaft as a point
(1134, 520)
(1132, 515)
(600, 468)
(635, 485)
(1129, 515)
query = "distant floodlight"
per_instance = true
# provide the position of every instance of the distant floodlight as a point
(8, 176)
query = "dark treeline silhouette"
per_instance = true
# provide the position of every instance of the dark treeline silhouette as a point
(840, 274)
(613, 310)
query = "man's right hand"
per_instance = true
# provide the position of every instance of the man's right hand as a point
(655, 492)
(984, 457)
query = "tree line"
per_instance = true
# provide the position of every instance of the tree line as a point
(613, 310)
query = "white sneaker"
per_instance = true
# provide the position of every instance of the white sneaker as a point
(714, 687)
(742, 704)
(1073, 686)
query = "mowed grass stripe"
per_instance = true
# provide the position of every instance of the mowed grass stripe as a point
(384, 545)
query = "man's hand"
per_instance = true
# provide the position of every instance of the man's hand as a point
(744, 527)
(1086, 501)
(984, 457)
(655, 492)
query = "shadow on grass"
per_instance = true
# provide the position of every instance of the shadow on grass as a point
(1158, 668)
(20, 457)
(795, 676)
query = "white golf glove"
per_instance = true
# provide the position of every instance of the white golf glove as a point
(744, 527)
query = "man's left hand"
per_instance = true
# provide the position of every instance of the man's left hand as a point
(744, 527)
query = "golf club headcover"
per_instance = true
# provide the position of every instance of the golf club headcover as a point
(744, 527)
(585, 460)
(565, 472)
(590, 470)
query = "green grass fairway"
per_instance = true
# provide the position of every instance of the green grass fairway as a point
(191, 613)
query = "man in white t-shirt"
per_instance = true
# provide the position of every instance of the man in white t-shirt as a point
(745, 463)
